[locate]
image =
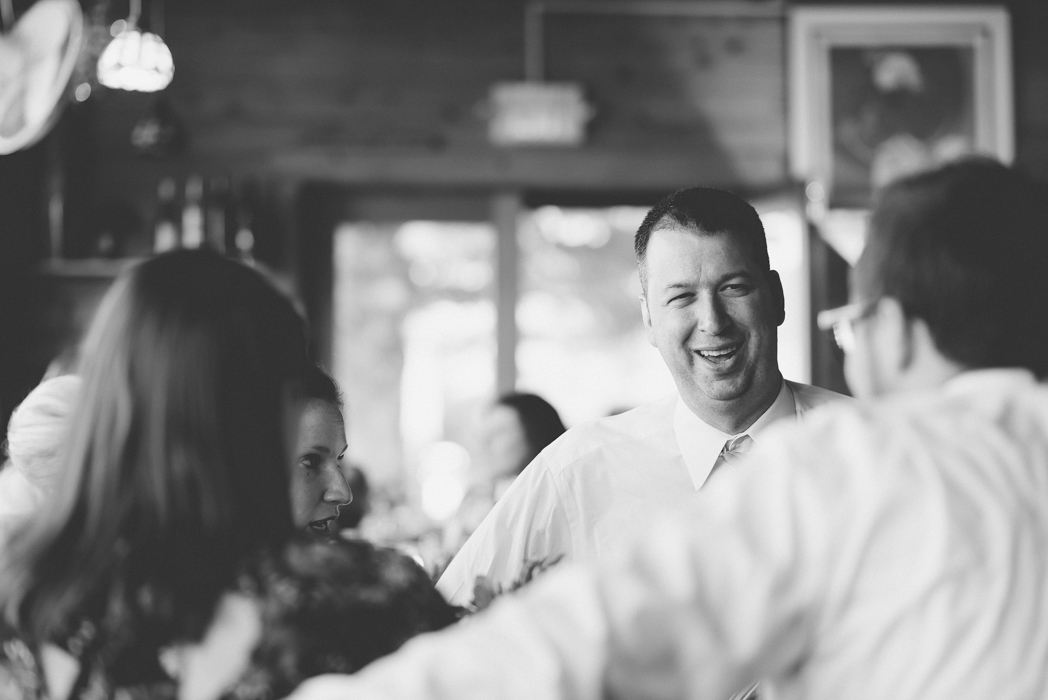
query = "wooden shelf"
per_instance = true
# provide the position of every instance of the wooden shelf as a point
(85, 268)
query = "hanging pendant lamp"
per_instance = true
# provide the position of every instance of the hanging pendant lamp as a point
(135, 60)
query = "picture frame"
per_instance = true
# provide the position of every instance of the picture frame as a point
(877, 92)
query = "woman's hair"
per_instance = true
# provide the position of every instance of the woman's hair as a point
(317, 385)
(175, 468)
(541, 422)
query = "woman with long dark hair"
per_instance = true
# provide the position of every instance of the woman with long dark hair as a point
(173, 515)
(174, 470)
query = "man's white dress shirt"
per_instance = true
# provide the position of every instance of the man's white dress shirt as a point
(895, 550)
(600, 482)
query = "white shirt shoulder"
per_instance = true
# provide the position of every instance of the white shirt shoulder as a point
(533, 520)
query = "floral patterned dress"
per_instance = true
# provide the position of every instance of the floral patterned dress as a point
(324, 607)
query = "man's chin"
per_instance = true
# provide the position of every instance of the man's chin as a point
(726, 388)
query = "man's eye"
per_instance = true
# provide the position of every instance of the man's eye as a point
(736, 289)
(680, 298)
(310, 462)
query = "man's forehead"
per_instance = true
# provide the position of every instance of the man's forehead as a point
(735, 241)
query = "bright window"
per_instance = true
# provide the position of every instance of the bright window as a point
(415, 331)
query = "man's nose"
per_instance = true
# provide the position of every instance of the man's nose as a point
(710, 315)
(337, 489)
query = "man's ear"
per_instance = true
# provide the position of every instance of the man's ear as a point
(777, 296)
(646, 317)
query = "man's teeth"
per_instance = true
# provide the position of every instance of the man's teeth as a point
(718, 353)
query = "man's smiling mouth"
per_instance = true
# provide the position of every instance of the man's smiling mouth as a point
(721, 354)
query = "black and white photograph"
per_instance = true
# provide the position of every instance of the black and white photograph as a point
(523, 349)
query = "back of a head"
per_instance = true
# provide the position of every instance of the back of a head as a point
(707, 210)
(175, 467)
(541, 422)
(964, 248)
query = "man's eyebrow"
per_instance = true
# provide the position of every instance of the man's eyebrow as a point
(320, 448)
(724, 278)
(743, 274)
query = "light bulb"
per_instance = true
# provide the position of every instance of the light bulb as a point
(136, 60)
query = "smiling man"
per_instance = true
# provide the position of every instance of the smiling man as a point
(712, 306)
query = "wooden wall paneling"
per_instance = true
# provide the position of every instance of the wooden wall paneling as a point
(708, 87)
(1029, 32)
(395, 92)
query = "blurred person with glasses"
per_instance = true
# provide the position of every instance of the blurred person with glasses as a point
(892, 548)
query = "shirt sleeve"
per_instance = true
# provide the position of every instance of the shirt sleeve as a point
(698, 607)
(528, 523)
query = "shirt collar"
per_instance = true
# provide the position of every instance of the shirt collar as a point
(700, 443)
(983, 380)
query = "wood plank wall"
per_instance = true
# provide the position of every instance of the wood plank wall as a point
(392, 93)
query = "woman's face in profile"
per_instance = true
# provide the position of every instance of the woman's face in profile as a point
(504, 441)
(318, 485)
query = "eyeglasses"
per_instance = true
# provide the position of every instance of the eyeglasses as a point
(842, 322)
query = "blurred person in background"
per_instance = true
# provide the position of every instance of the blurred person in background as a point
(35, 435)
(891, 549)
(711, 305)
(318, 486)
(515, 429)
(170, 541)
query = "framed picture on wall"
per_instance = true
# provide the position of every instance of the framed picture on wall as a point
(880, 92)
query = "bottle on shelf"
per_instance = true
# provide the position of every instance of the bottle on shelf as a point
(218, 225)
(193, 213)
(244, 239)
(165, 232)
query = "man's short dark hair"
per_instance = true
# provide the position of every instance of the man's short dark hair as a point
(965, 249)
(708, 211)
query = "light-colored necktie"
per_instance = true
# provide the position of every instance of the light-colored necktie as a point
(750, 693)
(730, 455)
(732, 452)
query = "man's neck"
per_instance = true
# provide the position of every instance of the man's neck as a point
(735, 416)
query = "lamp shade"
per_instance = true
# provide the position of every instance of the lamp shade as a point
(136, 60)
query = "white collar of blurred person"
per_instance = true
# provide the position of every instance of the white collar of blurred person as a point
(701, 444)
